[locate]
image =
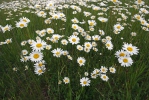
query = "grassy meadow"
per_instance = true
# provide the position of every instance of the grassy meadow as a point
(87, 50)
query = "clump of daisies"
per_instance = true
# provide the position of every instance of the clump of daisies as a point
(124, 55)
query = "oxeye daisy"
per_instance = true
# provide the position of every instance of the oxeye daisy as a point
(88, 45)
(121, 53)
(81, 61)
(125, 61)
(39, 71)
(74, 39)
(79, 47)
(104, 77)
(96, 37)
(64, 42)
(102, 19)
(48, 47)
(92, 23)
(118, 27)
(109, 45)
(112, 69)
(57, 52)
(75, 26)
(24, 19)
(50, 31)
(40, 64)
(130, 49)
(66, 80)
(21, 24)
(75, 20)
(85, 81)
(36, 56)
(38, 45)
(6, 28)
(103, 69)
(24, 52)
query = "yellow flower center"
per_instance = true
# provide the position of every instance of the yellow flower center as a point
(108, 45)
(39, 45)
(85, 82)
(40, 64)
(129, 48)
(80, 61)
(74, 40)
(122, 54)
(139, 1)
(104, 77)
(88, 45)
(119, 27)
(114, 0)
(6, 28)
(40, 71)
(24, 20)
(36, 56)
(22, 25)
(103, 70)
(125, 60)
(66, 80)
(57, 53)
(91, 24)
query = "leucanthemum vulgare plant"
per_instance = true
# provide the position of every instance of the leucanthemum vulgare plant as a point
(75, 47)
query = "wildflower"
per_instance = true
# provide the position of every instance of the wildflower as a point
(104, 77)
(38, 45)
(109, 45)
(24, 19)
(50, 31)
(24, 58)
(79, 47)
(101, 32)
(24, 52)
(40, 64)
(36, 56)
(75, 20)
(6, 28)
(96, 37)
(102, 19)
(81, 61)
(21, 24)
(74, 39)
(57, 52)
(118, 27)
(75, 26)
(64, 42)
(130, 49)
(88, 45)
(103, 69)
(39, 71)
(125, 61)
(86, 73)
(85, 81)
(66, 80)
(92, 23)
(121, 53)
(133, 33)
(112, 69)
(48, 47)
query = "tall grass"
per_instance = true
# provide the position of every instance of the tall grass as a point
(128, 83)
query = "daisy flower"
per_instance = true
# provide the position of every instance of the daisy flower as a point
(88, 45)
(92, 23)
(39, 71)
(112, 69)
(74, 39)
(118, 27)
(48, 47)
(24, 19)
(101, 32)
(40, 64)
(130, 49)
(38, 45)
(24, 52)
(6, 28)
(36, 56)
(103, 69)
(85, 81)
(121, 53)
(125, 61)
(64, 42)
(75, 20)
(57, 52)
(75, 26)
(104, 77)
(81, 61)
(109, 45)
(79, 47)
(50, 31)
(102, 19)
(66, 80)
(21, 24)
(96, 37)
